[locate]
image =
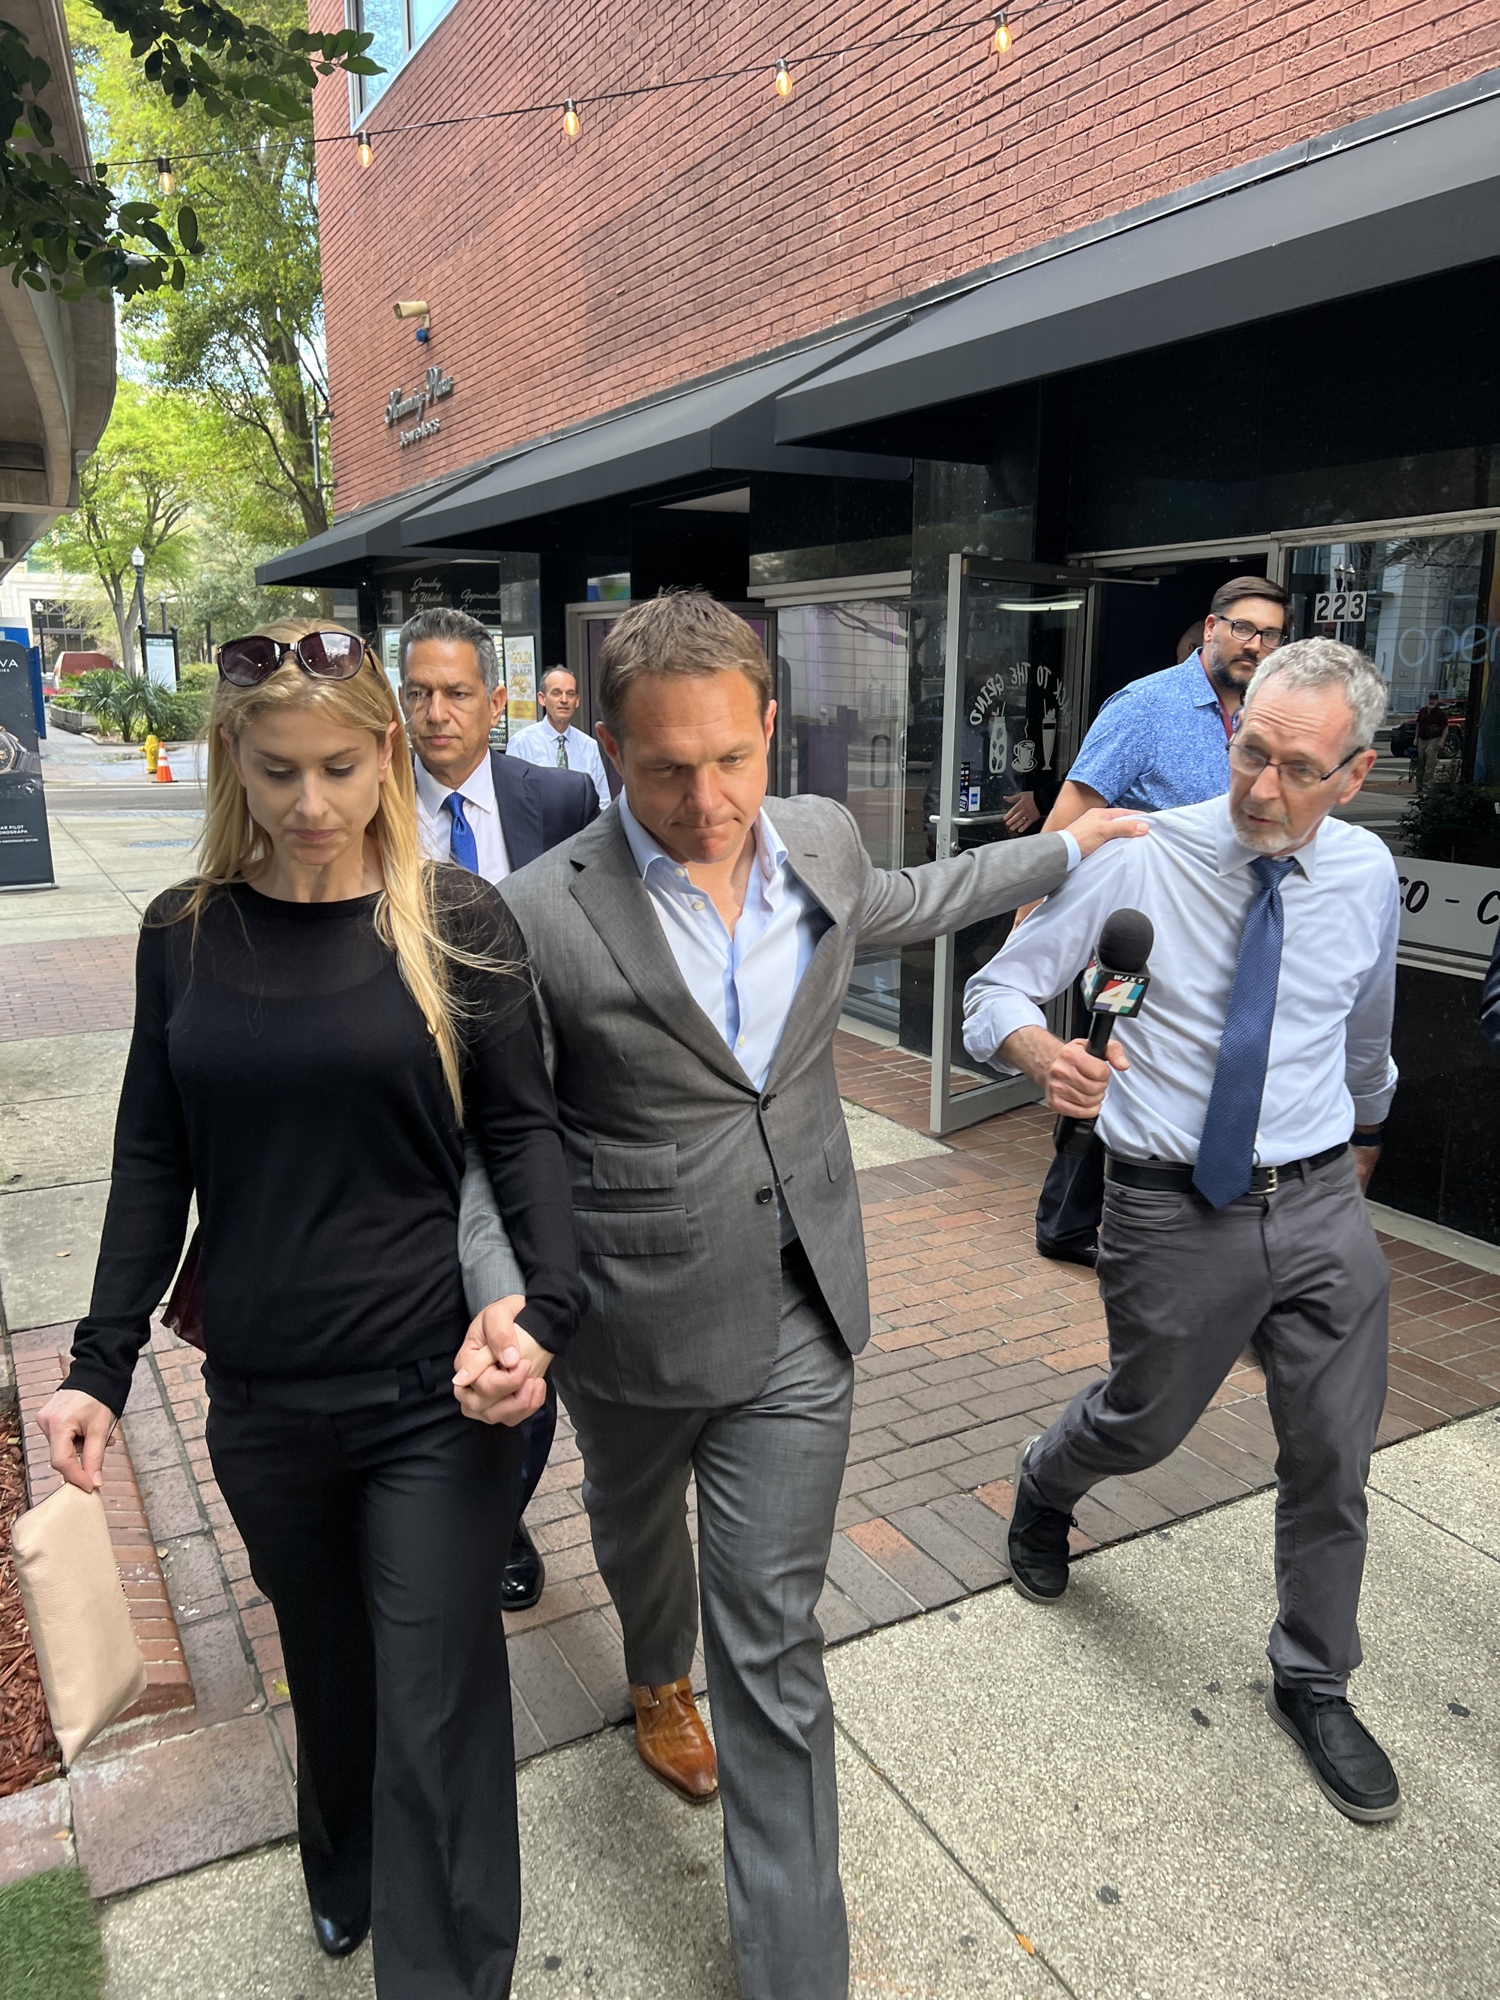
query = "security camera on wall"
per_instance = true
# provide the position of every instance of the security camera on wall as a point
(415, 309)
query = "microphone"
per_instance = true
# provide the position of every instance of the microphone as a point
(1114, 985)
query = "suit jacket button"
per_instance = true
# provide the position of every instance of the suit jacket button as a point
(763, 1195)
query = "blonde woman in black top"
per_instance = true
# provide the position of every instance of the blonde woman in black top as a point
(319, 1015)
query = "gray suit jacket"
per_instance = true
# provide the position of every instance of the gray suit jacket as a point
(673, 1151)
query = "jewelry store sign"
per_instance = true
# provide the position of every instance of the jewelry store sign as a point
(434, 387)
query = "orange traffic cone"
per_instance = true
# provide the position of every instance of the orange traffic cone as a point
(163, 767)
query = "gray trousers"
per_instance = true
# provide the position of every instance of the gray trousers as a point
(1299, 1277)
(768, 1474)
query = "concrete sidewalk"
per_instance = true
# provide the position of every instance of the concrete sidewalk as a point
(1085, 1799)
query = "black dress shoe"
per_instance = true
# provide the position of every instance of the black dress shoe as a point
(1086, 1254)
(524, 1575)
(1038, 1540)
(338, 1940)
(1352, 1770)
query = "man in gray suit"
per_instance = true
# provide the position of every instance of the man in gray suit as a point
(692, 950)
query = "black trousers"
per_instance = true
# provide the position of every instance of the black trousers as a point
(537, 1434)
(378, 1534)
(1072, 1201)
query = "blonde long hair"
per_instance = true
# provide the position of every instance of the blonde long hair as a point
(233, 848)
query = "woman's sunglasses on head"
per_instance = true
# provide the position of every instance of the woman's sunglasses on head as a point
(326, 656)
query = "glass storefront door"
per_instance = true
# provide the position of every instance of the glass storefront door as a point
(841, 729)
(1014, 655)
(1414, 603)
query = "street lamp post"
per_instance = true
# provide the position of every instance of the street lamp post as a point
(138, 562)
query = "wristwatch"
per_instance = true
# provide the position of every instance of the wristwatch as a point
(1367, 1138)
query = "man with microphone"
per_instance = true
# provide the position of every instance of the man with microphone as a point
(1240, 1112)
(1161, 741)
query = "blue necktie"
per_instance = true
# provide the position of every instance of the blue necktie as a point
(462, 847)
(1226, 1151)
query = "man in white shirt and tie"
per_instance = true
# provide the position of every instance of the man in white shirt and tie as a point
(554, 743)
(1240, 1113)
(493, 817)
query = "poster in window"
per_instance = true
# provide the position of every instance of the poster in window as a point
(25, 847)
(520, 679)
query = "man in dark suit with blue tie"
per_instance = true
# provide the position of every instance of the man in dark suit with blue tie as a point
(491, 814)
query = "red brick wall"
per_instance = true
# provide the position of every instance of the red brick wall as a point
(686, 231)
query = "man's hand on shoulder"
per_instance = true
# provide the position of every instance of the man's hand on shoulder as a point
(1092, 829)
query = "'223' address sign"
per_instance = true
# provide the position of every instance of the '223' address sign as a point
(435, 386)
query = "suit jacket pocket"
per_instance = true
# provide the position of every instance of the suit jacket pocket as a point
(633, 1232)
(836, 1154)
(628, 1167)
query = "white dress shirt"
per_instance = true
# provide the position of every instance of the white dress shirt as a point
(744, 982)
(435, 822)
(1330, 1061)
(537, 744)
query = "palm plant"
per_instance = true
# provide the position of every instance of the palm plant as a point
(117, 701)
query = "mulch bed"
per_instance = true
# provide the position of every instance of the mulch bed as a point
(28, 1749)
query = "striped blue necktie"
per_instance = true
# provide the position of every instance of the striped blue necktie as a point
(1226, 1151)
(462, 846)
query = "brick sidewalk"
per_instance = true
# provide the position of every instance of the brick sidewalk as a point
(74, 986)
(977, 1343)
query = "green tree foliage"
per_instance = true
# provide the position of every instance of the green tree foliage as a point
(137, 491)
(174, 477)
(244, 330)
(60, 232)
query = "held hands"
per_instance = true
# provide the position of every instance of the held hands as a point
(499, 1372)
(77, 1429)
(1092, 829)
(1076, 1081)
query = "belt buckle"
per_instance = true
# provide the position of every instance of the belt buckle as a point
(1273, 1179)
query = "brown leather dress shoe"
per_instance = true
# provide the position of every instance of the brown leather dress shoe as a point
(673, 1743)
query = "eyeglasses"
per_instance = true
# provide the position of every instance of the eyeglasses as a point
(1296, 776)
(326, 656)
(1269, 636)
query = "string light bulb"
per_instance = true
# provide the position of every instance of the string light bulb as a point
(365, 149)
(1002, 33)
(783, 79)
(166, 180)
(572, 123)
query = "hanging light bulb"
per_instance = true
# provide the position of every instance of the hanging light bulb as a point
(572, 123)
(783, 79)
(366, 150)
(1002, 33)
(166, 180)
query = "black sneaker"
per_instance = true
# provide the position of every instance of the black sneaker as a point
(1352, 1770)
(1038, 1541)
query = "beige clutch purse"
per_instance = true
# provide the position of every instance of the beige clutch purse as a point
(86, 1649)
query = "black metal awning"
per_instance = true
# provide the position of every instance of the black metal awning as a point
(339, 555)
(1404, 195)
(722, 427)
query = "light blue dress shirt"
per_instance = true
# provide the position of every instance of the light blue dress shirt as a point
(537, 744)
(744, 982)
(1159, 742)
(1330, 1061)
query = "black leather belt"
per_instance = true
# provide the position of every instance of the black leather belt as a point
(1179, 1180)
